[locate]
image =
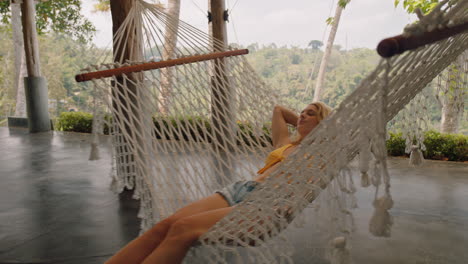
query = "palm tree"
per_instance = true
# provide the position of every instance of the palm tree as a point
(451, 94)
(20, 60)
(170, 42)
(331, 38)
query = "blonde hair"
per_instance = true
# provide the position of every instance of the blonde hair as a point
(323, 110)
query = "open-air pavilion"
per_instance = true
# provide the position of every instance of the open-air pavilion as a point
(179, 113)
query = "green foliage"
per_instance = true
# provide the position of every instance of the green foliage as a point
(293, 78)
(288, 71)
(191, 128)
(58, 16)
(446, 146)
(426, 6)
(343, 3)
(75, 122)
(295, 59)
(250, 138)
(315, 44)
(453, 147)
(7, 91)
(5, 11)
(102, 6)
(196, 128)
(61, 59)
(396, 145)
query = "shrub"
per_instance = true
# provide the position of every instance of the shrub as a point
(249, 137)
(452, 147)
(446, 146)
(189, 126)
(396, 145)
(75, 122)
(198, 129)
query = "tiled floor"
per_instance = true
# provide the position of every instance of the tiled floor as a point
(56, 207)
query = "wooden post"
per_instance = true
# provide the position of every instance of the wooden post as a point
(221, 90)
(218, 22)
(119, 12)
(126, 97)
(222, 110)
(37, 102)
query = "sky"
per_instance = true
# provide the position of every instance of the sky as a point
(293, 23)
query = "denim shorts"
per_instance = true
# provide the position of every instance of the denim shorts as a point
(236, 192)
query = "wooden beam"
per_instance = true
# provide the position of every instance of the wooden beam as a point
(156, 65)
(398, 44)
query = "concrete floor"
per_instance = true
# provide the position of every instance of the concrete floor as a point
(56, 207)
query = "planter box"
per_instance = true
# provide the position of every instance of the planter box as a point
(18, 122)
(22, 122)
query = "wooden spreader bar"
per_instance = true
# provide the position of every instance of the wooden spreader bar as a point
(399, 44)
(156, 65)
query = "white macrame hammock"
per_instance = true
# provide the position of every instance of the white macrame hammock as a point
(177, 137)
(413, 121)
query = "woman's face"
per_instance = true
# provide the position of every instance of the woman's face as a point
(308, 120)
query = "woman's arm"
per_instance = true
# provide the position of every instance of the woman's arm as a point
(279, 127)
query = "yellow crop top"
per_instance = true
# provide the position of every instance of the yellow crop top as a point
(274, 157)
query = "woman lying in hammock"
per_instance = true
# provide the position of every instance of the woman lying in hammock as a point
(169, 240)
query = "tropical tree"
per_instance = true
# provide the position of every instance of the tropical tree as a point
(331, 38)
(410, 6)
(170, 42)
(61, 58)
(451, 92)
(7, 92)
(62, 16)
(57, 16)
(102, 6)
(315, 44)
(20, 60)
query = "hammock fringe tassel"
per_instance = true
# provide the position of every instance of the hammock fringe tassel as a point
(416, 156)
(381, 222)
(340, 252)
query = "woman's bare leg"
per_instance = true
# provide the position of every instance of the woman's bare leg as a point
(138, 249)
(183, 234)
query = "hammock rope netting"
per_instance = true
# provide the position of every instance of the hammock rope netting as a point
(181, 132)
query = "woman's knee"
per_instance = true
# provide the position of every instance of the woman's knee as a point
(184, 229)
(160, 229)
